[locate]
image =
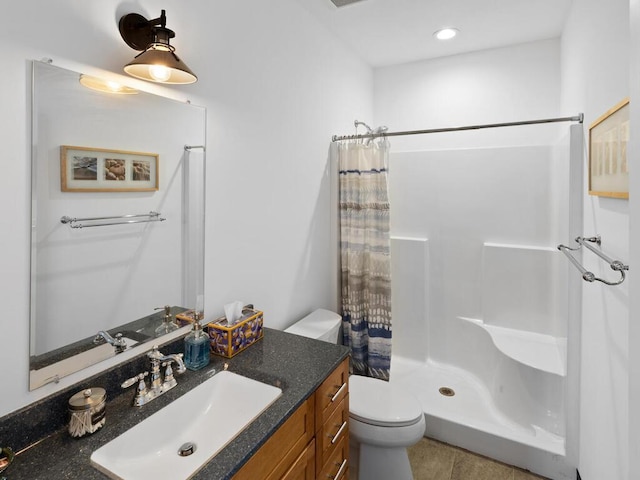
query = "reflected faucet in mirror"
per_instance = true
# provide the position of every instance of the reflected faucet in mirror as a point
(119, 344)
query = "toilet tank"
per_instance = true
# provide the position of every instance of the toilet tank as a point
(320, 324)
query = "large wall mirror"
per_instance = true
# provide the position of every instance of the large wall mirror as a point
(117, 219)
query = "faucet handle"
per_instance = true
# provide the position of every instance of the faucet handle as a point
(102, 337)
(179, 359)
(141, 392)
(169, 379)
(130, 381)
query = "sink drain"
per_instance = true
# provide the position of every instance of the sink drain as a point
(187, 449)
(446, 391)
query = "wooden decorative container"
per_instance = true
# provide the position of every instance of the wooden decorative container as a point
(186, 318)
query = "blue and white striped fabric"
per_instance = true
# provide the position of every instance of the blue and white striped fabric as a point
(365, 256)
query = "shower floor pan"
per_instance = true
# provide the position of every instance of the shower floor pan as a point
(470, 407)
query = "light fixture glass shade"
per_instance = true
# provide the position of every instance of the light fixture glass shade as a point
(159, 63)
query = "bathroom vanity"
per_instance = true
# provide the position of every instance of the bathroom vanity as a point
(313, 442)
(303, 434)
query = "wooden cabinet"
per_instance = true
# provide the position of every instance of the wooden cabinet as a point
(304, 468)
(313, 442)
(332, 424)
(284, 447)
(337, 464)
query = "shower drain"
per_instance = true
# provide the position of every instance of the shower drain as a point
(446, 391)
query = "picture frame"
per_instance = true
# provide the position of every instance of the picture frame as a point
(90, 169)
(608, 140)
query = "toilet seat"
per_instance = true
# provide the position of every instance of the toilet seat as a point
(375, 402)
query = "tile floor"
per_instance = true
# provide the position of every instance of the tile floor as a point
(433, 460)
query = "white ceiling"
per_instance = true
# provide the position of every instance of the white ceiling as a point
(388, 32)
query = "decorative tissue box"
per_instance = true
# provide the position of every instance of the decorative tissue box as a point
(228, 341)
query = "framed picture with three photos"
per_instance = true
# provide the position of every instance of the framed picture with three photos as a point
(88, 169)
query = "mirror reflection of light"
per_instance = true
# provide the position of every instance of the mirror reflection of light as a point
(114, 86)
(105, 86)
(159, 73)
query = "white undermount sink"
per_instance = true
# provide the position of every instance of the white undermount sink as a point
(209, 417)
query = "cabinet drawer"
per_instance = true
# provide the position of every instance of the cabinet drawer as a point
(331, 392)
(282, 449)
(304, 468)
(337, 465)
(332, 431)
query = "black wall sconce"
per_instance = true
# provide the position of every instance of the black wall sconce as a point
(158, 61)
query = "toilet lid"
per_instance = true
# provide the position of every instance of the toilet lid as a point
(376, 402)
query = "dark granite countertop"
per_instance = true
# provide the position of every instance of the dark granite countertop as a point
(296, 364)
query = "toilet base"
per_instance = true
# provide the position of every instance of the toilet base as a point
(371, 462)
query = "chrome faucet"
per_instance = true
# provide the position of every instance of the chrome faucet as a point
(118, 342)
(158, 358)
(157, 385)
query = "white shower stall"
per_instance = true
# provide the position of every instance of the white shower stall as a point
(485, 307)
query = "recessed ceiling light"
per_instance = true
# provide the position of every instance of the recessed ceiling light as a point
(446, 33)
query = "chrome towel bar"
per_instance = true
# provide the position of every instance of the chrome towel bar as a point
(122, 219)
(588, 276)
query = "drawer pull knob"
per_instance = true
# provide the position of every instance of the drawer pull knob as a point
(338, 433)
(340, 470)
(337, 394)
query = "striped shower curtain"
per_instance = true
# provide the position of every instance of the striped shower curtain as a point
(365, 256)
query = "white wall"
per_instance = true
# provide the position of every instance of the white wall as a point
(595, 76)
(634, 244)
(276, 87)
(461, 199)
(519, 82)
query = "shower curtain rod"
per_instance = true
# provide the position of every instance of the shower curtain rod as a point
(577, 118)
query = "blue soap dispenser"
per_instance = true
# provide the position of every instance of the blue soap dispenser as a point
(196, 346)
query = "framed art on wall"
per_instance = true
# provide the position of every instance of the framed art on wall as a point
(608, 163)
(87, 169)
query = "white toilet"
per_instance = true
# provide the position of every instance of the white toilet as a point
(383, 419)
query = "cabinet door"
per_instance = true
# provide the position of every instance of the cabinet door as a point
(277, 455)
(304, 468)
